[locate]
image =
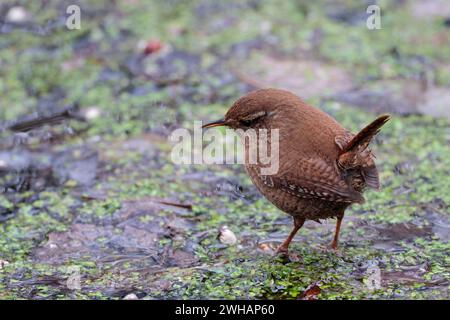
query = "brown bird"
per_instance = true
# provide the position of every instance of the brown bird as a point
(322, 167)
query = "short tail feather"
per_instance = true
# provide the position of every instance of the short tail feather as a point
(363, 138)
(354, 154)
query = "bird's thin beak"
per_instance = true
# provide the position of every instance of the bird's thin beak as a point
(217, 123)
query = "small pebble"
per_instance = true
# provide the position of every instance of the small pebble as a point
(3, 263)
(131, 296)
(17, 15)
(52, 245)
(92, 113)
(226, 236)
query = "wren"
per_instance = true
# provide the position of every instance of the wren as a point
(323, 168)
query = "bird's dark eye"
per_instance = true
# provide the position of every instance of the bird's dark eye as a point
(252, 119)
(246, 123)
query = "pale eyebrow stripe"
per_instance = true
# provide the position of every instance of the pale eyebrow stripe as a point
(254, 115)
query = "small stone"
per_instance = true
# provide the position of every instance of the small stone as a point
(3, 263)
(17, 15)
(74, 281)
(265, 27)
(131, 296)
(92, 113)
(226, 236)
(52, 245)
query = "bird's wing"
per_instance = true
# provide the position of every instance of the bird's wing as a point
(315, 179)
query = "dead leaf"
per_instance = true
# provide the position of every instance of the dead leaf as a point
(311, 292)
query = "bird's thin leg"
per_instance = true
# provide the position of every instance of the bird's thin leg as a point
(334, 244)
(298, 223)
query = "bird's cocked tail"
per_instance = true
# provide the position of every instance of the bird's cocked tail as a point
(355, 155)
(361, 141)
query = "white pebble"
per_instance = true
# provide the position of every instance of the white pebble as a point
(131, 296)
(3, 263)
(92, 113)
(226, 236)
(17, 15)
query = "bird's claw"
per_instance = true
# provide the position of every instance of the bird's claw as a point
(282, 251)
(285, 255)
(332, 247)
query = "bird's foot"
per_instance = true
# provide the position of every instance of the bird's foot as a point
(333, 247)
(282, 250)
(285, 255)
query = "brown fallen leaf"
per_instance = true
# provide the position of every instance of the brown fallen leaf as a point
(152, 46)
(311, 292)
(265, 247)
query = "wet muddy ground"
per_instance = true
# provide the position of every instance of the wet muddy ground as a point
(91, 205)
